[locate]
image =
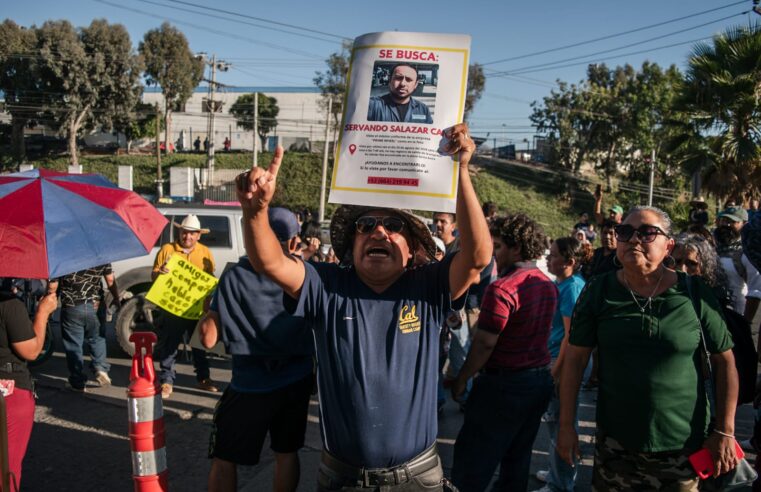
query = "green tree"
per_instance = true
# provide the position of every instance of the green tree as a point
(91, 77)
(139, 123)
(170, 64)
(570, 119)
(614, 119)
(18, 81)
(476, 86)
(721, 95)
(332, 82)
(243, 111)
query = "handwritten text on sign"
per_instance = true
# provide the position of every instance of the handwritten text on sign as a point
(182, 290)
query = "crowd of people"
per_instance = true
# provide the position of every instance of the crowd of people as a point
(381, 323)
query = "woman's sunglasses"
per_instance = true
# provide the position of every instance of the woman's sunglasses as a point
(368, 223)
(645, 233)
(688, 263)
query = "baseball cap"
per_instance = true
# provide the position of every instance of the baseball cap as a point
(283, 223)
(735, 214)
(618, 209)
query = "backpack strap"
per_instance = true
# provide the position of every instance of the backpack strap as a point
(705, 354)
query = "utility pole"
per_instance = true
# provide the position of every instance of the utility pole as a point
(212, 108)
(256, 129)
(325, 160)
(159, 187)
(652, 179)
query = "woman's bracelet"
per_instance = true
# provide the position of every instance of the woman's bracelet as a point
(731, 436)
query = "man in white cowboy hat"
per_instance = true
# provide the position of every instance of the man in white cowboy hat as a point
(173, 328)
(376, 325)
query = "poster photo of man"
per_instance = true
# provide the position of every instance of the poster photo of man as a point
(403, 92)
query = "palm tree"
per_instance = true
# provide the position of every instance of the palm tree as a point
(721, 96)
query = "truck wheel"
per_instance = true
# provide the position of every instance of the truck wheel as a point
(137, 314)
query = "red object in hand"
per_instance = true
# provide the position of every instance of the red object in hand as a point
(702, 462)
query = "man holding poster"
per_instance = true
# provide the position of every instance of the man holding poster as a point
(399, 105)
(376, 325)
(188, 248)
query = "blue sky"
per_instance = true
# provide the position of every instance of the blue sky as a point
(262, 55)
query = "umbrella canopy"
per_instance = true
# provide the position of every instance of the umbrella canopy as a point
(52, 223)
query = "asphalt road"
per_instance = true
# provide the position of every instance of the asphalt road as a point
(79, 441)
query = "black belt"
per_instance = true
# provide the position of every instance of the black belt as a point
(373, 477)
(12, 367)
(502, 371)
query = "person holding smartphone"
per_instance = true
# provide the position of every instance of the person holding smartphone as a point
(652, 408)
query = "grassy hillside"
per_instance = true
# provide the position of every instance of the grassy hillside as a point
(550, 210)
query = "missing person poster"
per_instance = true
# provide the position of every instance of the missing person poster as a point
(404, 89)
(183, 290)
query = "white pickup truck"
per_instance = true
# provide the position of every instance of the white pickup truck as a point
(133, 276)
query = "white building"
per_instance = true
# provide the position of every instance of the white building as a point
(300, 121)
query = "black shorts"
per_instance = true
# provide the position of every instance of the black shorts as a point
(242, 420)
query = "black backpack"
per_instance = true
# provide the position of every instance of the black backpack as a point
(746, 357)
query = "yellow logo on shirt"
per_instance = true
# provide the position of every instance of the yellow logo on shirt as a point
(408, 320)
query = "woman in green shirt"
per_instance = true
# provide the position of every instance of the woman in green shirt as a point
(652, 410)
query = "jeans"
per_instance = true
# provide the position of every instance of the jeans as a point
(84, 324)
(173, 330)
(562, 476)
(501, 421)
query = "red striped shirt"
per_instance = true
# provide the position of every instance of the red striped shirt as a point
(519, 307)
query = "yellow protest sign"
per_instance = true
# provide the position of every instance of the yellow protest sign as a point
(182, 290)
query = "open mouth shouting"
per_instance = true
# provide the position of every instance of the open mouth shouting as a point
(377, 251)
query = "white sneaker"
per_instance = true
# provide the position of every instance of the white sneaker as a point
(102, 378)
(541, 475)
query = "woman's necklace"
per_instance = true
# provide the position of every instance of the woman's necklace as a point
(649, 299)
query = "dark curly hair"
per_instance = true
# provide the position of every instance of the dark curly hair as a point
(571, 248)
(519, 230)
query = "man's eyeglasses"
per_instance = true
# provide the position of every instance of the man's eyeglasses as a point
(645, 233)
(368, 223)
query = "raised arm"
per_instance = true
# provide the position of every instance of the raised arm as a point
(475, 241)
(255, 191)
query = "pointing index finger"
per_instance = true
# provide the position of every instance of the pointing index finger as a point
(277, 158)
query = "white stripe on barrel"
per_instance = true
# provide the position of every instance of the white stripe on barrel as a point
(145, 409)
(148, 462)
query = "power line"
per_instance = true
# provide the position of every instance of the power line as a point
(611, 36)
(239, 21)
(215, 31)
(621, 55)
(609, 50)
(269, 21)
(264, 77)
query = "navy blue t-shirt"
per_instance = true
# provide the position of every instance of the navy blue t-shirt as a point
(378, 358)
(270, 348)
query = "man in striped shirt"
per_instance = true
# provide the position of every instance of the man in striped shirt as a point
(510, 351)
